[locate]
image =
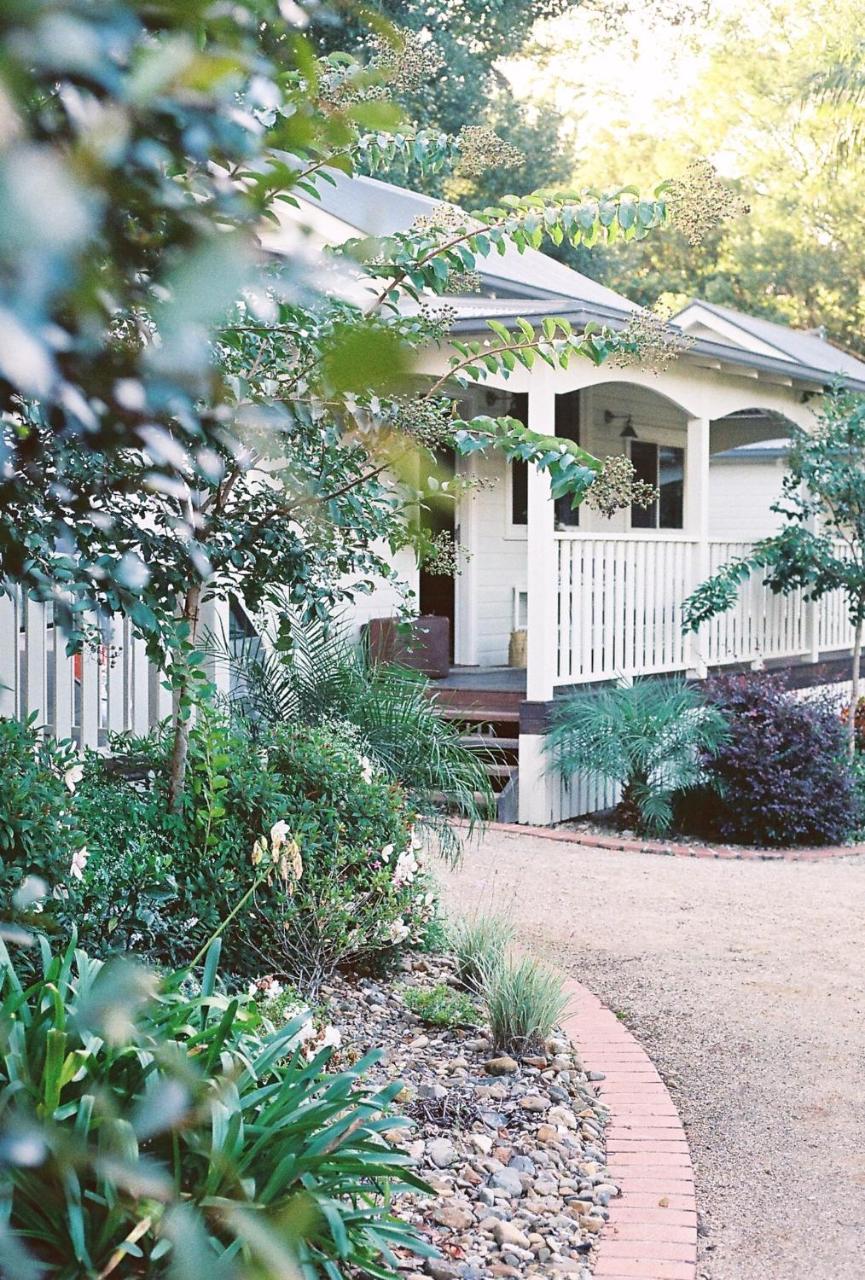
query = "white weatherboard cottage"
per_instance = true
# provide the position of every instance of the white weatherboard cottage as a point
(599, 598)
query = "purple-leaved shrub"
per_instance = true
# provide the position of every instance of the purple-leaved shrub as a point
(782, 775)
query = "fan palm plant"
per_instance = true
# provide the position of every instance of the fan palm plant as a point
(651, 737)
(322, 676)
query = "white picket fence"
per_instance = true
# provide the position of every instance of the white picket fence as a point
(110, 687)
(620, 603)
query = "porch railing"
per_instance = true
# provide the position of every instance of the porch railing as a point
(620, 603)
(109, 687)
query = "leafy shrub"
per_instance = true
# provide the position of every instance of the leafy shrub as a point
(344, 878)
(479, 943)
(290, 842)
(38, 832)
(441, 1006)
(321, 677)
(157, 1128)
(127, 896)
(653, 737)
(781, 778)
(524, 999)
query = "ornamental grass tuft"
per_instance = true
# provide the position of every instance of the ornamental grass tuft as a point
(479, 943)
(525, 1000)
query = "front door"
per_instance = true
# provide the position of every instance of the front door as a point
(437, 595)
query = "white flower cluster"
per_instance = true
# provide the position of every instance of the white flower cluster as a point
(407, 866)
(73, 776)
(267, 990)
(408, 863)
(279, 852)
(79, 863)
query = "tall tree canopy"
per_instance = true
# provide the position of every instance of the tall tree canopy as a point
(769, 93)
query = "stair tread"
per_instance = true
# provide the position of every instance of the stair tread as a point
(500, 770)
(480, 714)
(490, 741)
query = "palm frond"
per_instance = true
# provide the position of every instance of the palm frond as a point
(651, 737)
(324, 676)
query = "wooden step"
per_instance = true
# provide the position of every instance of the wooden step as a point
(471, 699)
(489, 742)
(497, 772)
(480, 715)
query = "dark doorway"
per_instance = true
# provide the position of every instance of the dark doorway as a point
(437, 591)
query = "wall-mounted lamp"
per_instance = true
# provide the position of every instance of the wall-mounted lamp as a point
(627, 432)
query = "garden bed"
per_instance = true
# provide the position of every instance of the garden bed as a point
(602, 830)
(513, 1147)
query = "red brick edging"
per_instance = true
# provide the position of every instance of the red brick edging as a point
(652, 1229)
(621, 844)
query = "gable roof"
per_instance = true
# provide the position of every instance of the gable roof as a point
(804, 347)
(533, 284)
(369, 207)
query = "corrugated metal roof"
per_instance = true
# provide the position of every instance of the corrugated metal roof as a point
(376, 208)
(801, 345)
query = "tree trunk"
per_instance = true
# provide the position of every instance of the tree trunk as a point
(180, 747)
(854, 689)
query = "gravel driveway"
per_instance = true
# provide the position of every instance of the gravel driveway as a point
(746, 983)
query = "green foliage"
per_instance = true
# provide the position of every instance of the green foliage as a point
(355, 887)
(648, 737)
(38, 832)
(441, 1006)
(289, 840)
(479, 943)
(315, 675)
(127, 898)
(151, 1128)
(306, 388)
(796, 258)
(825, 481)
(471, 38)
(524, 1000)
(161, 364)
(407, 262)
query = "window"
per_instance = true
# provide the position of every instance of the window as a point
(568, 427)
(663, 466)
(517, 406)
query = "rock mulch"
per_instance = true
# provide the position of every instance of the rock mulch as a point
(513, 1147)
